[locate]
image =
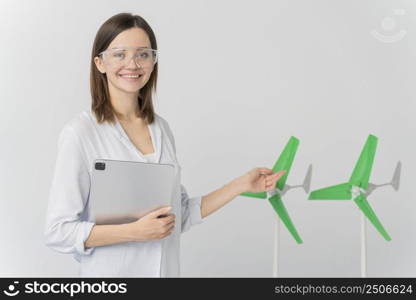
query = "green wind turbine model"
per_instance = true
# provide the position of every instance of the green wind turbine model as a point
(284, 162)
(358, 189)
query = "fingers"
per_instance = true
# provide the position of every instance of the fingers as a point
(168, 219)
(170, 225)
(167, 233)
(160, 211)
(166, 225)
(275, 177)
(265, 171)
(271, 180)
(278, 174)
(168, 228)
(270, 183)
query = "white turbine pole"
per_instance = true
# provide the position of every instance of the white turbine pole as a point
(276, 247)
(363, 247)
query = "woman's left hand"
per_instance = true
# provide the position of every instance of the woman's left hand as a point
(259, 180)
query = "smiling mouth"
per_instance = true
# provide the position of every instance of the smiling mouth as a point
(131, 77)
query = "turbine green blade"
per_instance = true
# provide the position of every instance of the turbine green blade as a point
(361, 174)
(285, 161)
(336, 192)
(365, 207)
(280, 209)
(255, 195)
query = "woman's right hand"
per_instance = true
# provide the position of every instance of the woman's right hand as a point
(156, 225)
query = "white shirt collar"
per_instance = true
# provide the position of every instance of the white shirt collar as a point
(155, 133)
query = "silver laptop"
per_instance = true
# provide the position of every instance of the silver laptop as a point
(124, 191)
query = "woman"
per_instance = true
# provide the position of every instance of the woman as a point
(122, 125)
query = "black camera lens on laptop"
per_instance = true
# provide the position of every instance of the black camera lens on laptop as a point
(100, 166)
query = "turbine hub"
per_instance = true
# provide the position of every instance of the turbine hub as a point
(272, 193)
(356, 191)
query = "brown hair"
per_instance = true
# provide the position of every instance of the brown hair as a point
(101, 104)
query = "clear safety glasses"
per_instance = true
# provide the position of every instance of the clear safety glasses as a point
(116, 57)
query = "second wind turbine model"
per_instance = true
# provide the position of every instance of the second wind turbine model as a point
(358, 188)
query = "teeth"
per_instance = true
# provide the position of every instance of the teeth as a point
(130, 76)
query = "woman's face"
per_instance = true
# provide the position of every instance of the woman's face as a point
(131, 39)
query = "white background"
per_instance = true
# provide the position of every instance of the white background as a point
(237, 79)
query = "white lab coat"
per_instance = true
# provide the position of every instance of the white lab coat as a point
(68, 220)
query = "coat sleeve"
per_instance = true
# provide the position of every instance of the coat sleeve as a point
(190, 206)
(191, 210)
(65, 231)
